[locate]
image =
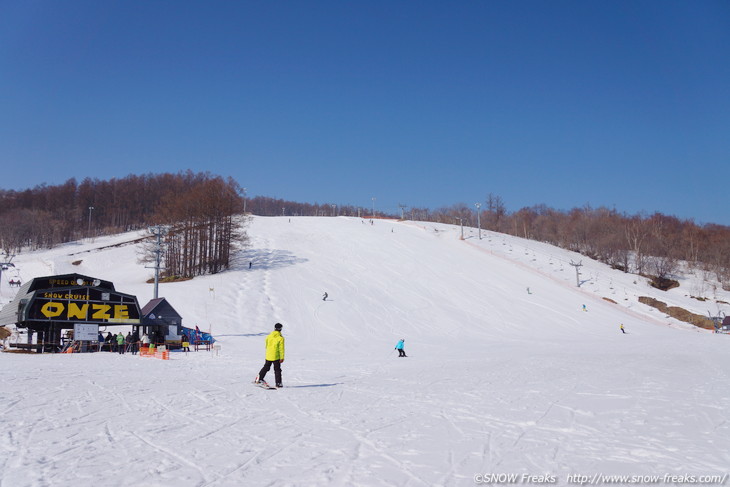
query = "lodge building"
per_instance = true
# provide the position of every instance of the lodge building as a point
(47, 306)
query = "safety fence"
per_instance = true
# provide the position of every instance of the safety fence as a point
(156, 352)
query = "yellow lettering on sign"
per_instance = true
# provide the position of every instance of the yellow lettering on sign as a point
(80, 311)
(51, 309)
(74, 311)
(121, 311)
(102, 311)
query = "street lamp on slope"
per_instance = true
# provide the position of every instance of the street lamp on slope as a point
(479, 221)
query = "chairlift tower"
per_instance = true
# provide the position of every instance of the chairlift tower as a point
(717, 320)
(7, 262)
(577, 271)
(158, 231)
(461, 222)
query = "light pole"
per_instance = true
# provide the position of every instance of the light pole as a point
(333, 209)
(479, 221)
(244, 201)
(90, 209)
(373, 217)
(461, 222)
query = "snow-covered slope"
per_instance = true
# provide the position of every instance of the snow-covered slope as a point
(506, 373)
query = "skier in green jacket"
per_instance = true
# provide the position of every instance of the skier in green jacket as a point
(274, 356)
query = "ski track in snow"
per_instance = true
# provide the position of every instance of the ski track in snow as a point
(497, 380)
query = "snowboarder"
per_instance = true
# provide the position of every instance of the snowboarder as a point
(274, 356)
(324, 298)
(399, 346)
(622, 328)
(584, 308)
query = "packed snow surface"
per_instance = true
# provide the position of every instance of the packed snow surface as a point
(506, 373)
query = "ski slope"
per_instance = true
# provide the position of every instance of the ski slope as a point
(505, 375)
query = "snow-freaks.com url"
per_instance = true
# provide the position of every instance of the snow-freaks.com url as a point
(600, 479)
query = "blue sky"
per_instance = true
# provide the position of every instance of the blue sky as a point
(424, 103)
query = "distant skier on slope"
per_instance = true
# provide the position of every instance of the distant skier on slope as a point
(274, 355)
(399, 346)
(324, 298)
(622, 328)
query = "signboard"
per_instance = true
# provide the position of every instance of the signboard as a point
(53, 303)
(70, 280)
(86, 304)
(86, 332)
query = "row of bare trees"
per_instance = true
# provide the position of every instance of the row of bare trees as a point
(205, 228)
(266, 206)
(199, 209)
(647, 244)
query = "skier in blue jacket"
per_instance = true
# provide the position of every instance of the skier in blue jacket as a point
(399, 346)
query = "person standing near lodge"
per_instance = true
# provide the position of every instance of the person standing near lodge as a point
(120, 343)
(274, 356)
(135, 342)
(158, 338)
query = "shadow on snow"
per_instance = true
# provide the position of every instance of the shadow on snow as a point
(245, 334)
(266, 259)
(315, 385)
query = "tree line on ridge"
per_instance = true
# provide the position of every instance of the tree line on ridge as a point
(202, 212)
